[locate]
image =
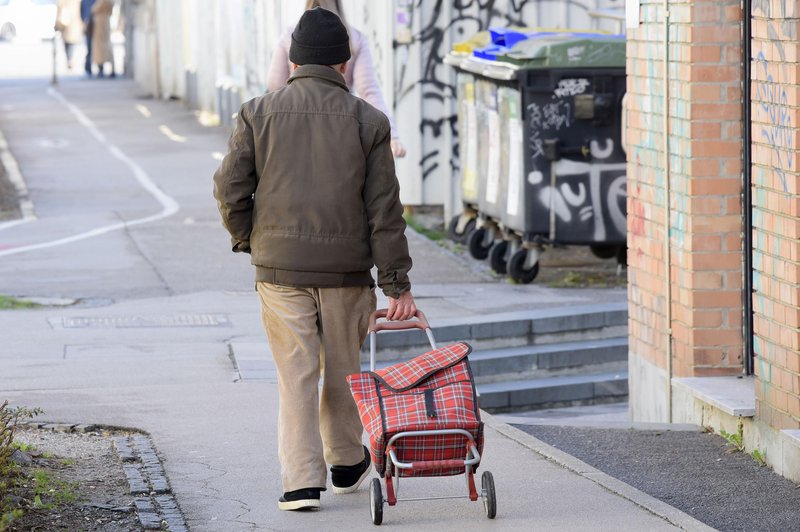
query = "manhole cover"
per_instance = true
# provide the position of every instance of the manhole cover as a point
(124, 322)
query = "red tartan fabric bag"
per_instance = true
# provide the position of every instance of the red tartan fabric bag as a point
(432, 391)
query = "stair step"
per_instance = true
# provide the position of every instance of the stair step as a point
(548, 358)
(554, 391)
(510, 328)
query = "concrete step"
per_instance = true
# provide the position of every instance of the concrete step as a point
(548, 360)
(541, 361)
(509, 329)
(571, 390)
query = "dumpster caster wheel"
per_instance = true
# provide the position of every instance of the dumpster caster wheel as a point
(517, 270)
(622, 256)
(476, 246)
(604, 252)
(489, 495)
(376, 501)
(452, 230)
(497, 257)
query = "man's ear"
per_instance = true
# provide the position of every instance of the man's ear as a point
(294, 67)
(342, 68)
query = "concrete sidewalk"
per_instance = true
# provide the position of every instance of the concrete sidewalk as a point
(159, 301)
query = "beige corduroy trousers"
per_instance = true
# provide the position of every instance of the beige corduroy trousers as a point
(316, 333)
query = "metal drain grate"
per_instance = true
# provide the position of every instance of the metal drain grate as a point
(130, 322)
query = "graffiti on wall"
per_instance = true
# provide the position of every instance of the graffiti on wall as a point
(432, 28)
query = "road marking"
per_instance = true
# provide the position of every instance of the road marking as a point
(15, 176)
(168, 205)
(144, 110)
(171, 135)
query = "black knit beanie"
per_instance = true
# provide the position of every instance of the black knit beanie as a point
(320, 38)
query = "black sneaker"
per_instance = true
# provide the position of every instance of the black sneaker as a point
(304, 499)
(347, 479)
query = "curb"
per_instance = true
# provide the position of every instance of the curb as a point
(15, 177)
(616, 486)
(147, 482)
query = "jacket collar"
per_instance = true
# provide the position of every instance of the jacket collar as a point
(319, 71)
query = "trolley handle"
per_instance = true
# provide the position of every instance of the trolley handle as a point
(420, 323)
(374, 327)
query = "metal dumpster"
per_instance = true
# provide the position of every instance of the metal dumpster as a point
(569, 186)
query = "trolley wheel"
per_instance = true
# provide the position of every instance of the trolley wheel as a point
(475, 244)
(489, 495)
(376, 501)
(452, 230)
(497, 257)
(604, 252)
(517, 270)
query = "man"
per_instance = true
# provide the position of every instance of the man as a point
(308, 189)
(88, 28)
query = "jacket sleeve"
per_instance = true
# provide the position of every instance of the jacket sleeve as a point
(385, 218)
(235, 183)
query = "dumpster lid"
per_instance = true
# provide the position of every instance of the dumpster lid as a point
(541, 48)
(568, 51)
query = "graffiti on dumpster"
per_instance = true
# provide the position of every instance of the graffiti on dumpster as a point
(584, 189)
(571, 87)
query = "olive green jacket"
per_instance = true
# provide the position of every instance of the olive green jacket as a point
(308, 187)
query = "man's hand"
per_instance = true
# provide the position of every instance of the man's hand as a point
(402, 308)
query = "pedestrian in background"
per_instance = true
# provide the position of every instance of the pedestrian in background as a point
(360, 75)
(102, 49)
(88, 28)
(308, 189)
(70, 24)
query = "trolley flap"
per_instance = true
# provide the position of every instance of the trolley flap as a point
(407, 375)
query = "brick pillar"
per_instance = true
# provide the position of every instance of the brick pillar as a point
(776, 207)
(705, 181)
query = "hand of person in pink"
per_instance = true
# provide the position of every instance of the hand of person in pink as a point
(402, 308)
(398, 150)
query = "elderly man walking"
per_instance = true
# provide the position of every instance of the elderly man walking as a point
(308, 189)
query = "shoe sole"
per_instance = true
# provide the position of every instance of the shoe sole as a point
(302, 504)
(354, 487)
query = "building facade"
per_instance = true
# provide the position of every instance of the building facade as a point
(713, 223)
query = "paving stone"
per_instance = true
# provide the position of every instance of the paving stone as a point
(123, 448)
(20, 458)
(136, 480)
(170, 513)
(146, 512)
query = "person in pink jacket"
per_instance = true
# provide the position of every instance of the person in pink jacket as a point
(360, 74)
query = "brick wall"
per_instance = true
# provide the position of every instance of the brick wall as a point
(705, 180)
(776, 211)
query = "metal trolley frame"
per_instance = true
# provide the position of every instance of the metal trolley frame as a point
(394, 465)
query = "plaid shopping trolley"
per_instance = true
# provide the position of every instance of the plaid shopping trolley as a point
(422, 417)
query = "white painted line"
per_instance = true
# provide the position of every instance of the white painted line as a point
(13, 223)
(144, 110)
(171, 135)
(168, 204)
(15, 176)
